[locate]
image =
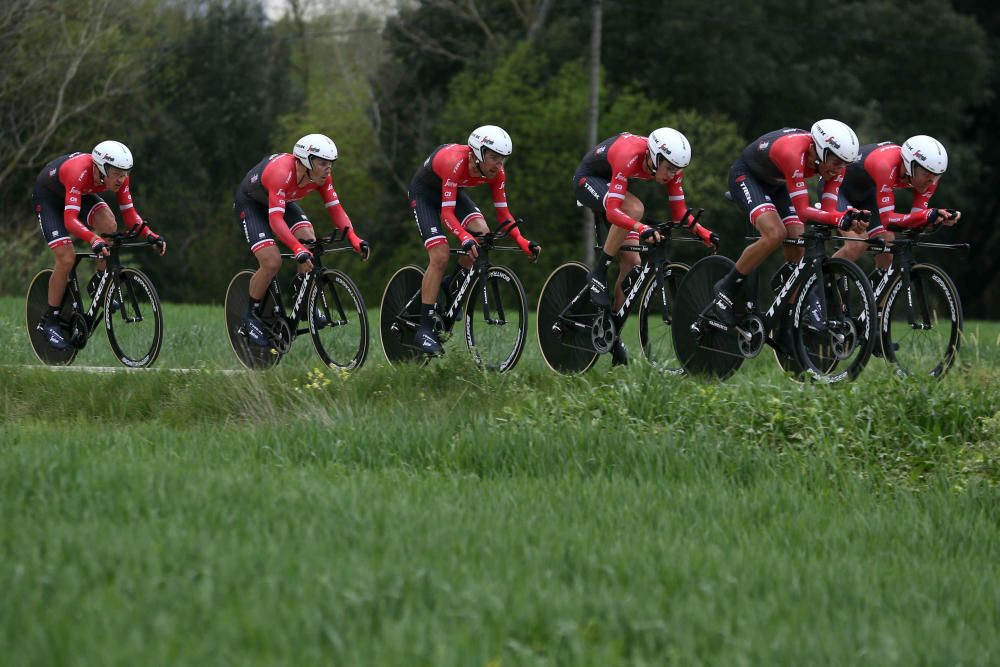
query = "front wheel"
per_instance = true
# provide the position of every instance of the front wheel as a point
(700, 348)
(833, 322)
(564, 320)
(36, 303)
(338, 321)
(922, 330)
(133, 319)
(496, 319)
(237, 302)
(656, 313)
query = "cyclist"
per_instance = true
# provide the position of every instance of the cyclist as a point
(768, 181)
(601, 184)
(436, 197)
(66, 203)
(265, 207)
(870, 183)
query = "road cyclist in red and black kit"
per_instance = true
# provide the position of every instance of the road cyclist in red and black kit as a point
(768, 182)
(871, 182)
(67, 205)
(265, 207)
(601, 184)
(821, 320)
(439, 203)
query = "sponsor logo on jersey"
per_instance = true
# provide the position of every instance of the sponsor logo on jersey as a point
(447, 194)
(600, 149)
(885, 188)
(763, 145)
(254, 178)
(798, 174)
(52, 172)
(885, 200)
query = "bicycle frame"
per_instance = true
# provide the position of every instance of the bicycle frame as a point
(318, 249)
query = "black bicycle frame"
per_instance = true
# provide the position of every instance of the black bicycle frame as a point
(113, 268)
(318, 249)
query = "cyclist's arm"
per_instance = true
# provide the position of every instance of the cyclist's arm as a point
(613, 204)
(675, 197)
(499, 189)
(333, 206)
(449, 199)
(127, 207)
(798, 192)
(71, 217)
(917, 217)
(829, 196)
(276, 210)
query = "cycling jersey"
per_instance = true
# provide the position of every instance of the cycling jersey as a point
(777, 161)
(616, 160)
(273, 183)
(870, 184)
(64, 192)
(435, 194)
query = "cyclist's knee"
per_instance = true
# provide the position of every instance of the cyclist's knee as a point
(437, 257)
(269, 260)
(103, 221)
(633, 207)
(65, 255)
(627, 261)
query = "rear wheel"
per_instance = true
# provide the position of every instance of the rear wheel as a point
(496, 319)
(237, 301)
(833, 322)
(655, 316)
(399, 315)
(924, 339)
(338, 321)
(565, 315)
(36, 303)
(133, 319)
(709, 352)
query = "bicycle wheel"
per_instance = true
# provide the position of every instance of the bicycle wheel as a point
(399, 315)
(338, 321)
(496, 333)
(710, 353)
(924, 339)
(133, 319)
(833, 335)
(564, 315)
(237, 300)
(656, 311)
(35, 304)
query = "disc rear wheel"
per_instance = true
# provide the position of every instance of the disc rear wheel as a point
(564, 318)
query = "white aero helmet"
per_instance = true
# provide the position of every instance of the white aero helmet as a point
(318, 145)
(669, 144)
(492, 137)
(925, 151)
(114, 153)
(836, 137)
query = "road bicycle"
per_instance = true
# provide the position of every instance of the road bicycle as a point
(920, 311)
(325, 300)
(821, 323)
(123, 297)
(573, 332)
(489, 298)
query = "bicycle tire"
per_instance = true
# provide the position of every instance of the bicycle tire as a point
(654, 329)
(36, 302)
(711, 353)
(338, 321)
(237, 300)
(834, 345)
(399, 315)
(566, 347)
(133, 319)
(932, 349)
(496, 340)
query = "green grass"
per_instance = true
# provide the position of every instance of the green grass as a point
(441, 516)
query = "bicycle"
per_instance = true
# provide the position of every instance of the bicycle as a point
(821, 320)
(327, 300)
(495, 335)
(572, 331)
(125, 298)
(922, 332)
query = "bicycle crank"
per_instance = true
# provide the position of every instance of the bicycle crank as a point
(602, 332)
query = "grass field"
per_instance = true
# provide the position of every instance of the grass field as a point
(442, 516)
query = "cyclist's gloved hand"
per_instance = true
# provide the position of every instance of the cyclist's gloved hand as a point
(534, 250)
(158, 241)
(100, 247)
(365, 250)
(469, 244)
(302, 255)
(647, 233)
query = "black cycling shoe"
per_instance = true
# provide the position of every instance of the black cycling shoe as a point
(253, 329)
(721, 308)
(53, 334)
(598, 290)
(427, 342)
(619, 354)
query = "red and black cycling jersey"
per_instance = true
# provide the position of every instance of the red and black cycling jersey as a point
(874, 178)
(619, 159)
(72, 176)
(445, 171)
(273, 182)
(779, 158)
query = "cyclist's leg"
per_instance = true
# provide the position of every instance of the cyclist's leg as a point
(592, 192)
(763, 214)
(49, 211)
(300, 226)
(426, 209)
(617, 237)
